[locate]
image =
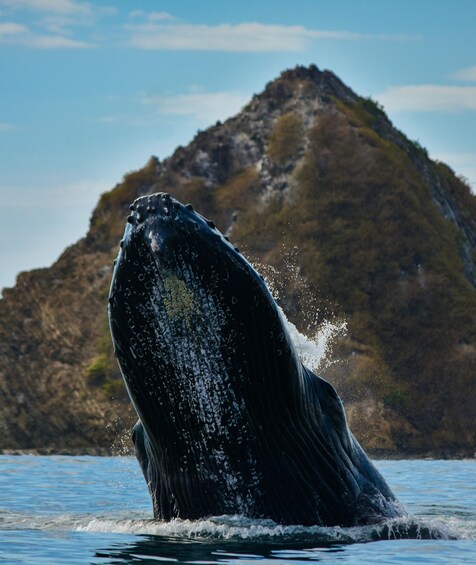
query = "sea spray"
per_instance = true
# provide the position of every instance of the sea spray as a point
(315, 351)
(315, 346)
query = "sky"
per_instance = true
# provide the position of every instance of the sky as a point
(90, 90)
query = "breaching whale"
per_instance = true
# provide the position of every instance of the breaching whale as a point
(230, 421)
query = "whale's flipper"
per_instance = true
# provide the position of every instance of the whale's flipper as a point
(142, 448)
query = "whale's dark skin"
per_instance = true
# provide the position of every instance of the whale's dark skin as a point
(231, 422)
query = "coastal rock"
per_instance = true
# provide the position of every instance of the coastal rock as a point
(385, 240)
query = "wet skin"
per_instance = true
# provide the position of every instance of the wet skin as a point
(230, 421)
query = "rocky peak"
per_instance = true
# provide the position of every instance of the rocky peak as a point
(386, 239)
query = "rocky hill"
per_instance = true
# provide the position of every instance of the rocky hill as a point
(356, 220)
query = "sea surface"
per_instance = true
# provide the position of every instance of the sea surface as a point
(61, 509)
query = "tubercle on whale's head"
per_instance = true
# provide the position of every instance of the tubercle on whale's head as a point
(166, 224)
(175, 233)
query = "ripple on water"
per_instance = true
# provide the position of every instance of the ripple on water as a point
(97, 510)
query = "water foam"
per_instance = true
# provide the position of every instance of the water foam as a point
(315, 351)
(237, 527)
(243, 528)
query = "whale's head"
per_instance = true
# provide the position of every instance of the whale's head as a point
(200, 342)
(182, 296)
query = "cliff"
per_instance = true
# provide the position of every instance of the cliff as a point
(315, 181)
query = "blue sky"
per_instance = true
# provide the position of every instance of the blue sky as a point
(89, 90)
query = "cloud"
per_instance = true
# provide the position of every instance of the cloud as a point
(67, 194)
(199, 105)
(10, 29)
(462, 163)
(152, 16)
(204, 106)
(468, 74)
(51, 6)
(56, 42)
(428, 98)
(244, 37)
(7, 127)
(57, 18)
(15, 34)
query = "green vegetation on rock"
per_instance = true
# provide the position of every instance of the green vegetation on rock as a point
(285, 139)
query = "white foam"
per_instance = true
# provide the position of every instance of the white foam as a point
(240, 527)
(314, 351)
(236, 527)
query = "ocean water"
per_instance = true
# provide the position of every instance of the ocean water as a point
(63, 509)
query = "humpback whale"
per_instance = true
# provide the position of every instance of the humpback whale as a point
(230, 421)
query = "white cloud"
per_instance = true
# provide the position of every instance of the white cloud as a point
(152, 16)
(55, 42)
(68, 194)
(51, 6)
(428, 98)
(468, 74)
(56, 20)
(15, 34)
(7, 127)
(462, 163)
(204, 106)
(11, 29)
(244, 37)
(56, 6)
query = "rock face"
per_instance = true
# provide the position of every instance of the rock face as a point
(385, 240)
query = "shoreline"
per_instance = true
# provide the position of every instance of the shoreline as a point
(436, 455)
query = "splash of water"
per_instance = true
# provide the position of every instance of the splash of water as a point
(237, 527)
(315, 348)
(315, 351)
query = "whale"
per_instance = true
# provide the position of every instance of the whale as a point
(230, 420)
